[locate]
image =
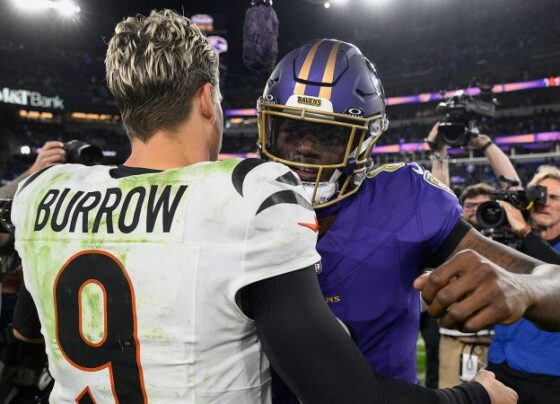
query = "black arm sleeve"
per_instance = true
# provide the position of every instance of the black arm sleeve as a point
(446, 249)
(536, 247)
(312, 353)
(26, 319)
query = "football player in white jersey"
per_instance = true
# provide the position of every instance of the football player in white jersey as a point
(175, 278)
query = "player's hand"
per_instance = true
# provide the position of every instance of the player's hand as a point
(498, 392)
(478, 141)
(51, 153)
(514, 216)
(470, 292)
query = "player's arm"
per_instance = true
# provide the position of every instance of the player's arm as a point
(485, 282)
(317, 359)
(26, 325)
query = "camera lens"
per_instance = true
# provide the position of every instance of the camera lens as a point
(453, 134)
(91, 155)
(83, 153)
(490, 215)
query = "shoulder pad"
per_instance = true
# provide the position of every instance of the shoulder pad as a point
(385, 168)
(31, 178)
(428, 177)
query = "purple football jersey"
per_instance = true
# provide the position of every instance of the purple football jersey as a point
(381, 240)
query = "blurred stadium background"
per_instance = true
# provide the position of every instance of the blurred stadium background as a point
(52, 74)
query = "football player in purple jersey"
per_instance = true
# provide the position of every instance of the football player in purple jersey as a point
(321, 113)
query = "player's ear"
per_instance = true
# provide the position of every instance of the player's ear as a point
(204, 97)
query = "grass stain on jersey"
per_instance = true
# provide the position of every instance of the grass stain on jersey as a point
(158, 335)
(42, 270)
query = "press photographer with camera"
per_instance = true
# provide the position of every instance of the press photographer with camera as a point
(546, 218)
(521, 355)
(462, 354)
(445, 354)
(22, 362)
(51, 153)
(500, 163)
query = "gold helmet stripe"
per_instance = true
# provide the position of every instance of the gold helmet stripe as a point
(299, 89)
(328, 76)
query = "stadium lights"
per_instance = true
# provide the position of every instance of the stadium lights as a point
(66, 8)
(25, 150)
(31, 5)
(327, 4)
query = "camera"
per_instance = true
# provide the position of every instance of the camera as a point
(82, 153)
(490, 215)
(462, 116)
(492, 219)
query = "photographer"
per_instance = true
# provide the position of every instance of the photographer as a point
(546, 219)
(521, 355)
(453, 344)
(51, 153)
(501, 165)
(22, 363)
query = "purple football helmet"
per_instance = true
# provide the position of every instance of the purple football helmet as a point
(322, 110)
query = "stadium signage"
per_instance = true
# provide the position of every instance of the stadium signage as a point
(30, 99)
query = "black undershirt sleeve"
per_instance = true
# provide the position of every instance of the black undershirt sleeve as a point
(26, 319)
(446, 249)
(316, 358)
(536, 247)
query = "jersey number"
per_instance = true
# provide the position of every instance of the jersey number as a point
(118, 350)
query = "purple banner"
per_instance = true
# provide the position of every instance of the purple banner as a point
(526, 138)
(430, 97)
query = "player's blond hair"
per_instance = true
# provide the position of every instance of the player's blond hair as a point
(543, 173)
(155, 65)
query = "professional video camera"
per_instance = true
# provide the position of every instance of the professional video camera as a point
(492, 218)
(463, 114)
(82, 153)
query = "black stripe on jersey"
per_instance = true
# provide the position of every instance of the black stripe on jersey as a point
(240, 172)
(32, 177)
(286, 196)
(289, 178)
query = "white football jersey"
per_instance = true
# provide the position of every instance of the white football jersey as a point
(135, 279)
